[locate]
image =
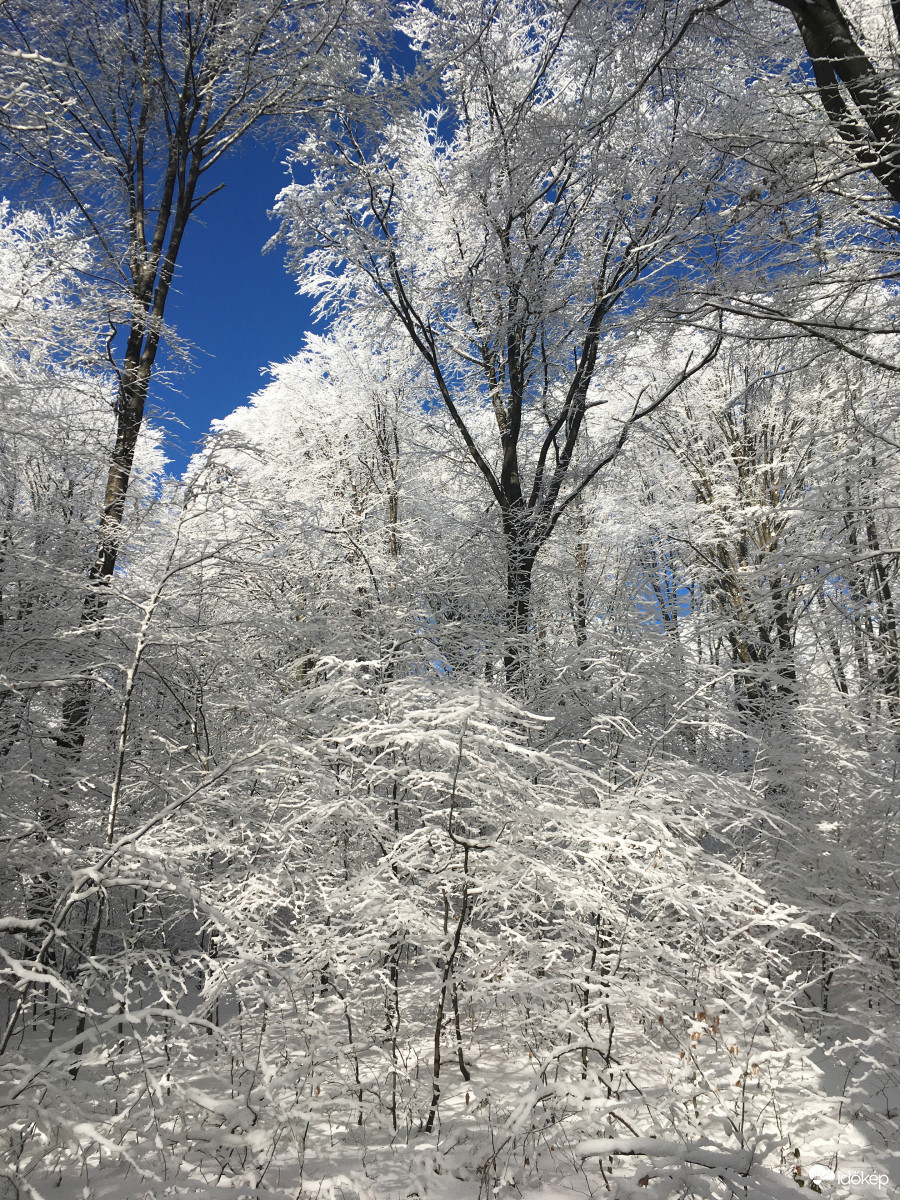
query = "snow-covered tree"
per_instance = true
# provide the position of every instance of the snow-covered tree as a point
(852, 54)
(518, 228)
(122, 111)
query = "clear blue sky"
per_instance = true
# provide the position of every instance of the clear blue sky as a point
(238, 307)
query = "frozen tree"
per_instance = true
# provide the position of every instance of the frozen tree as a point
(58, 429)
(514, 230)
(55, 421)
(852, 49)
(811, 120)
(121, 111)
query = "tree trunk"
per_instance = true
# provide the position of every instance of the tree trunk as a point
(856, 96)
(520, 559)
(887, 641)
(131, 401)
(152, 273)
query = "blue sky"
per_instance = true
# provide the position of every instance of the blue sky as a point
(238, 307)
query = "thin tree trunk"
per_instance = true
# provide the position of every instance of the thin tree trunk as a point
(519, 572)
(887, 624)
(153, 272)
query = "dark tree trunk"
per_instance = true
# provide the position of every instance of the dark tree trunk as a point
(857, 98)
(152, 272)
(520, 559)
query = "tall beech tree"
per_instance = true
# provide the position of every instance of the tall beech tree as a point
(511, 229)
(121, 108)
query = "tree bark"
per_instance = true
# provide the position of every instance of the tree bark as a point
(855, 95)
(520, 560)
(152, 270)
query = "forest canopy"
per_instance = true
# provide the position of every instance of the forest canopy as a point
(476, 774)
